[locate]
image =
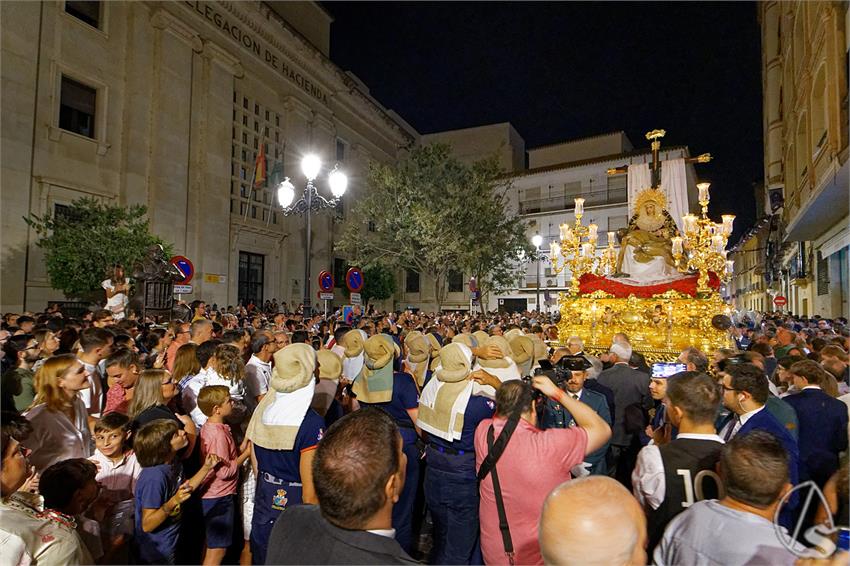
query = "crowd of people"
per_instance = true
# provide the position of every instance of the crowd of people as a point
(260, 436)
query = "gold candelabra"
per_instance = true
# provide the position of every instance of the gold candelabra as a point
(703, 247)
(577, 250)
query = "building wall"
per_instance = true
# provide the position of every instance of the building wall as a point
(577, 150)
(804, 74)
(474, 144)
(178, 85)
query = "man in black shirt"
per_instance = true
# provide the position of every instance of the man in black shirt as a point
(358, 474)
(665, 478)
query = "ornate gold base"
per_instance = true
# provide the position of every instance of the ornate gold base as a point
(659, 327)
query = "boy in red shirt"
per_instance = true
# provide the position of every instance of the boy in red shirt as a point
(218, 495)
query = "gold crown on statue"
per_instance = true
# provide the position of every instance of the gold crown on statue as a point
(653, 196)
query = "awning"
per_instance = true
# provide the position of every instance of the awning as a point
(836, 243)
(829, 205)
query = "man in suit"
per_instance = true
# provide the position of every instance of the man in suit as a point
(745, 394)
(358, 473)
(631, 395)
(590, 382)
(556, 416)
(823, 423)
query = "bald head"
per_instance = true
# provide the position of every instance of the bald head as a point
(580, 513)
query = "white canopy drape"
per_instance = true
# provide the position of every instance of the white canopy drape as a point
(674, 182)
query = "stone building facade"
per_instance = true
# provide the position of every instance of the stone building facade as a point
(167, 104)
(804, 73)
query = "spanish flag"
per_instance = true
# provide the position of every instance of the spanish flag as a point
(260, 168)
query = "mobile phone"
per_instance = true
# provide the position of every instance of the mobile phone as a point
(666, 369)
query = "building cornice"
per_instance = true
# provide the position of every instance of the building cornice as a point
(612, 158)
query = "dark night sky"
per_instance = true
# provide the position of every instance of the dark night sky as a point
(559, 71)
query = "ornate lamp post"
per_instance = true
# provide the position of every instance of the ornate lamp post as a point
(309, 202)
(703, 246)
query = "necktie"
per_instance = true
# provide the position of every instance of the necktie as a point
(732, 425)
(574, 396)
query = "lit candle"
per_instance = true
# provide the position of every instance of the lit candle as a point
(690, 223)
(728, 221)
(703, 192)
(579, 207)
(717, 243)
(593, 232)
(730, 266)
(677, 245)
(568, 233)
(587, 249)
(612, 239)
(554, 250)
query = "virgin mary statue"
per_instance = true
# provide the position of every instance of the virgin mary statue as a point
(646, 250)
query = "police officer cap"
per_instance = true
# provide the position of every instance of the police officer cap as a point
(574, 363)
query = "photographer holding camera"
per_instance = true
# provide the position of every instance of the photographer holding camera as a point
(570, 374)
(519, 464)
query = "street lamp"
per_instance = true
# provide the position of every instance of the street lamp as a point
(309, 202)
(537, 241)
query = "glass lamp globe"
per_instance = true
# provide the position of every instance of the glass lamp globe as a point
(338, 182)
(310, 166)
(537, 240)
(285, 193)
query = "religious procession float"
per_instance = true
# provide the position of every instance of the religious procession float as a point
(662, 286)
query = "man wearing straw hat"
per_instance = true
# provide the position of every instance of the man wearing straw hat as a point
(395, 393)
(448, 415)
(284, 431)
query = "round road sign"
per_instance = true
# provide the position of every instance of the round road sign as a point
(326, 281)
(354, 280)
(780, 301)
(185, 267)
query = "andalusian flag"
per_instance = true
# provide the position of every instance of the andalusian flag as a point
(260, 168)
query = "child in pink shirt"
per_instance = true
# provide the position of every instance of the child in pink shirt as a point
(218, 494)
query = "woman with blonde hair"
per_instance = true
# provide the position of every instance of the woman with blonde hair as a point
(186, 364)
(58, 416)
(154, 390)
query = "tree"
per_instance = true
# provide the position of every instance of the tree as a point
(431, 213)
(86, 238)
(378, 284)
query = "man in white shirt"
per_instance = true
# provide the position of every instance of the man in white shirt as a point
(95, 345)
(664, 477)
(737, 529)
(258, 370)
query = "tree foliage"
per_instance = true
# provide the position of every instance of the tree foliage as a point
(379, 284)
(86, 239)
(432, 213)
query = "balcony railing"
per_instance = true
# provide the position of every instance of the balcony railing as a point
(566, 202)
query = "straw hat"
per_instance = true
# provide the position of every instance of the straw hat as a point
(380, 350)
(467, 340)
(418, 347)
(330, 366)
(455, 362)
(294, 368)
(513, 333)
(353, 343)
(503, 346)
(480, 337)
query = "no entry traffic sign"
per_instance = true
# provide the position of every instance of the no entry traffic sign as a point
(185, 267)
(780, 301)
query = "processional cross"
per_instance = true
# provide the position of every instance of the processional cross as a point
(655, 166)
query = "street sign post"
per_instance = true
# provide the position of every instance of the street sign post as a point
(780, 301)
(326, 286)
(183, 290)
